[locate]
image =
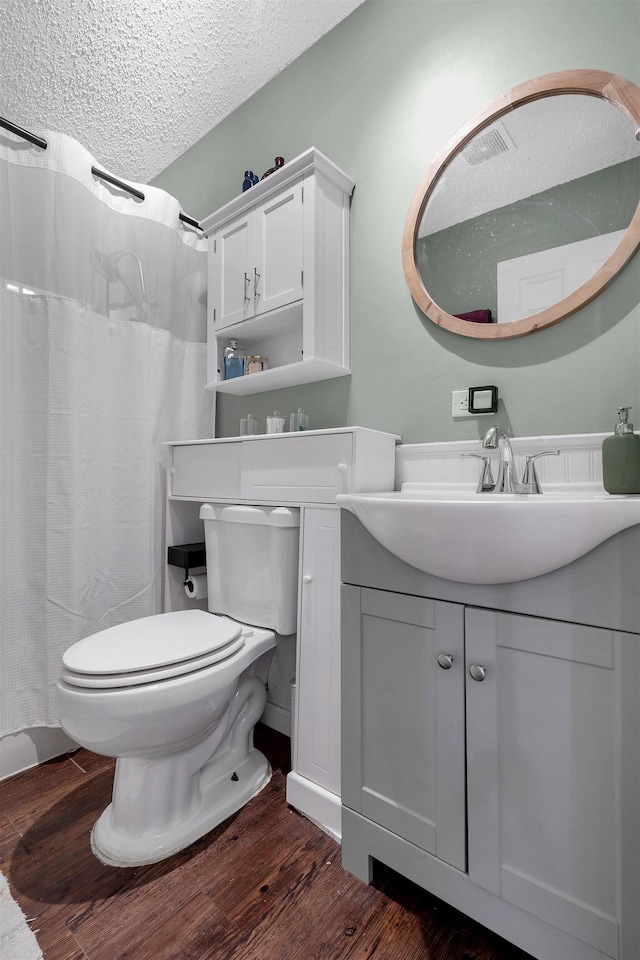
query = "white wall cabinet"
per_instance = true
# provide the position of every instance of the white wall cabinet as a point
(279, 276)
(493, 758)
(257, 259)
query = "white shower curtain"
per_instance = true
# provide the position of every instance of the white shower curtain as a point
(102, 358)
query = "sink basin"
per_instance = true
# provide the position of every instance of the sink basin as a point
(451, 532)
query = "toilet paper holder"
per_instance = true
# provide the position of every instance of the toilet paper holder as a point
(187, 555)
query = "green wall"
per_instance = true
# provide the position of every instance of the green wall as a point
(380, 95)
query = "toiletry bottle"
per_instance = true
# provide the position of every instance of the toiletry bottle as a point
(233, 361)
(621, 457)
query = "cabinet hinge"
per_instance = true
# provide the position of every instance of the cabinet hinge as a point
(214, 315)
(215, 246)
(302, 278)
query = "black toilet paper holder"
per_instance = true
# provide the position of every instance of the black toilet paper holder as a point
(187, 555)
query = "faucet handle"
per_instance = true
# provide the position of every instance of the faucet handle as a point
(486, 483)
(530, 477)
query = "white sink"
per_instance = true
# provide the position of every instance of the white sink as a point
(451, 532)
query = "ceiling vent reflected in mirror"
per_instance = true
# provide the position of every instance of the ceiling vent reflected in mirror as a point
(488, 145)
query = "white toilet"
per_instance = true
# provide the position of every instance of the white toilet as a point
(175, 697)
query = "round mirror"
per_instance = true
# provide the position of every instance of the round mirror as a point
(531, 210)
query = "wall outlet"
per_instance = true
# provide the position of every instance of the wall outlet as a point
(460, 404)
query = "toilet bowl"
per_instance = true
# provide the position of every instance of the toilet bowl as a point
(175, 697)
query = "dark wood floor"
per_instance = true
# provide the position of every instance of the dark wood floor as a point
(265, 885)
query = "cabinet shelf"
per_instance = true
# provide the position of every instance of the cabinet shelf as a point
(289, 375)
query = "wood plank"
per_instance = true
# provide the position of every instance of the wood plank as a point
(265, 885)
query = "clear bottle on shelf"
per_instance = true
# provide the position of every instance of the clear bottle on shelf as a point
(233, 361)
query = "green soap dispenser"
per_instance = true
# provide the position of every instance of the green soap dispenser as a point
(621, 457)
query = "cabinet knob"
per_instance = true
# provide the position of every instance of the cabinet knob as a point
(445, 660)
(341, 478)
(477, 672)
(306, 578)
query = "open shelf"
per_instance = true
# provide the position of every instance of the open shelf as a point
(289, 375)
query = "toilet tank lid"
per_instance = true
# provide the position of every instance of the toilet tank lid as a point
(150, 642)
(243, 513)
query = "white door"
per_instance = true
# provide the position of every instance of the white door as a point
(529, 284)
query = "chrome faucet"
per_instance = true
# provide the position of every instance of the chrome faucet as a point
(486, 483)
(507, 480)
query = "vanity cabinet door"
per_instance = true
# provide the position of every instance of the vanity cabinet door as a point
(403, 717)
(544, 733)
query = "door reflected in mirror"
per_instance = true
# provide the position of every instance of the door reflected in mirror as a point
(531, 210)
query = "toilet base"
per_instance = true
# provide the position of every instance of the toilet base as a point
(227, 791)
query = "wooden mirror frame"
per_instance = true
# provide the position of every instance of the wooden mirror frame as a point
(596, 83)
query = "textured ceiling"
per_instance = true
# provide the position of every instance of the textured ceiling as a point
(137, 82)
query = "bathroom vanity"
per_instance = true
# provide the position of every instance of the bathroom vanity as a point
(307, 470)
(491, 742)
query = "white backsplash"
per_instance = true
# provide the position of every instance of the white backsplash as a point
(580, 459)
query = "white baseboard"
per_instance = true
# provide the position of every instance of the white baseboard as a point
(28, 748)
(277, 718)
(317, 804)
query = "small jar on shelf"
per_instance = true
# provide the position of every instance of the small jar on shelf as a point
(299, 420)
(256, 363)
(276, 422)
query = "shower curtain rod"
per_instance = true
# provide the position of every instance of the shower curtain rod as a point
(103, 175)
(39, 142)
(19, 132)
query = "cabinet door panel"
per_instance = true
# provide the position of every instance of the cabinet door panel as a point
(279, 251)
(210, 471)
(543, 734)
(412, 735)
(318, 677)
(298, 468)
(233, 271)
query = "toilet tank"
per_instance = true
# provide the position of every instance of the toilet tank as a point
(252, 563)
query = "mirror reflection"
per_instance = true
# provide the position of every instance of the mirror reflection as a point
(530, 208)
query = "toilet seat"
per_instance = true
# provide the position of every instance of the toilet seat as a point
(152, 648)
